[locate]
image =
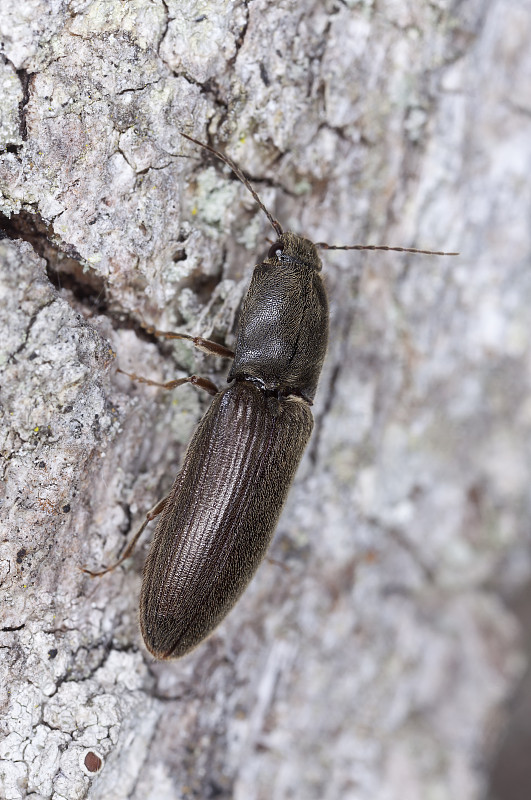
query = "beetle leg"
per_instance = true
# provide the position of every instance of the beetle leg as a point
(195, 380)
(205, 345)
(155, 511)
(276, 563)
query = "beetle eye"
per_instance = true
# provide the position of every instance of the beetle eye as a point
(275, 250)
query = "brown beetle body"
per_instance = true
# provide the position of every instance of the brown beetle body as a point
(221, 514)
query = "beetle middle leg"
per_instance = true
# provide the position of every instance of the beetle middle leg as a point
(205, 345)
(195, 380)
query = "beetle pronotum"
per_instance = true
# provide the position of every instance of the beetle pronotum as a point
(219, 518)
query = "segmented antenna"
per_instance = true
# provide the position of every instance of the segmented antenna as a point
(239, 174)
(325, 246)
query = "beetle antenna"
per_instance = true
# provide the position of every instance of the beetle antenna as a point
(239, 174)
(325, 246)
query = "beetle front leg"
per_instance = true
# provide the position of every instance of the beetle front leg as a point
(205, 345)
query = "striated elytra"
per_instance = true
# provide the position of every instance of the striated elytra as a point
(221, 514)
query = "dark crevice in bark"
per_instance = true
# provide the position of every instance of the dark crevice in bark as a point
(65, 270)
(63, 264)
(25, 79)
(167, 19)
(241, 38)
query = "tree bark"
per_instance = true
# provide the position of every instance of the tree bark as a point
(375, 662)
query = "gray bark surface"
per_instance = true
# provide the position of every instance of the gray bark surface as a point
(376, 664)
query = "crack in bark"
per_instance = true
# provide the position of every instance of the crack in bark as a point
(29, 326)
(134, 89)
(64, 265)
(25, 78)
(165, 29)
(240, 40)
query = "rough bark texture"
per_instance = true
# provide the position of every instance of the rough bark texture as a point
(376, 665)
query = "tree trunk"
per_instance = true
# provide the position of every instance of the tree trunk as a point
(372, 663)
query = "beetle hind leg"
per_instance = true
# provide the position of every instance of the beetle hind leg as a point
(151, 514)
